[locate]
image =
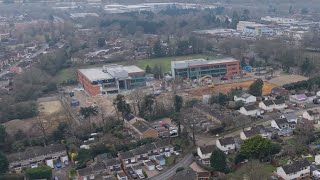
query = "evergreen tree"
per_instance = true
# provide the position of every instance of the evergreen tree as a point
(218, 161)
(177, 107)
(3, 163)
(157, 49)
(148, 69)
(121, 105)
(255, 88)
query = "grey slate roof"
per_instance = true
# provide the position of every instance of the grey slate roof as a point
(279, 101)
(268, 102)
(85, 171)
(281, 121)
(226, 141)
(112, 162)
(142, 126)
(127, 155)
(250, 107)
(295, 166)
(207, 149)
(36, 151)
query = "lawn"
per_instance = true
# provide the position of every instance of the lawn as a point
(170, 161)
(165, 62)
(66, 74)
(268, 168)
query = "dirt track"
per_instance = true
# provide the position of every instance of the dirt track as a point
(225, 88)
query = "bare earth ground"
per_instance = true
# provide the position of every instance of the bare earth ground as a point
(50, 111)
(287, 79)
(225, 88)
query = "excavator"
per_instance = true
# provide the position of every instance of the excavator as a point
(206, 80)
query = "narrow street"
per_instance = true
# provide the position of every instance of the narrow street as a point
(186, 161)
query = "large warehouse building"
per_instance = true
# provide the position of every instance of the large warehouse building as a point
(111, 79)
(196, 68)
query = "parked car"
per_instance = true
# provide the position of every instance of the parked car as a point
(134, 176)
(159, 167)
(141, 176)
(59, 165)
(176, 153)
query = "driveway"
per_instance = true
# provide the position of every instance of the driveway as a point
(186, 161)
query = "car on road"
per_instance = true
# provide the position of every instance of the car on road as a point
(159, 168)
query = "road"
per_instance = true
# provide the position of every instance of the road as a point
(43, 48)
(186, 161)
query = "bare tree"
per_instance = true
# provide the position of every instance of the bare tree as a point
(43, 126)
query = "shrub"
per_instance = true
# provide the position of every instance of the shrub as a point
(179, 169)
(42, 172)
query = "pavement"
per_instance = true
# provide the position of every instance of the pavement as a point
(186, 161)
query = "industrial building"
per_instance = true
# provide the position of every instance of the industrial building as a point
(196, 68)
(254, 29)
(111, 79)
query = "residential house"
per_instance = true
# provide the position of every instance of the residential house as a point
(267, 105)
(203, 175)
(299, 99)
(163, 132)
(279, 91)
(187, 174)
(257, 130)
(122, 176)
(311, 115)
(141, 154)
(279, 104)
(160, 160)
(296, 170)
(137, 169)
(246, 98)
(164, 147)
(85, 174)
(37, 156)
(113, 166)
(250, 110)
(210, 112)
(291, 117)
(285, 132)
(190, 174)
(227, 145)
(317, 159)
(98, 168)
(127, 158)
(282, 123)
(141, 127)
(149, 165)
(311, 96)
(152, 150)
(205, 152)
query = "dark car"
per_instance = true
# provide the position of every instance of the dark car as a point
(134, 176)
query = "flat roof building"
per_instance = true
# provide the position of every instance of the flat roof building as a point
(111, 79)
(196, 68)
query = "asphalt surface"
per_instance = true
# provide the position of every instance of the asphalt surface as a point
(186, 161)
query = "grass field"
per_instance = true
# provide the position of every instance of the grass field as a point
(165, 62)
(67, 74)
